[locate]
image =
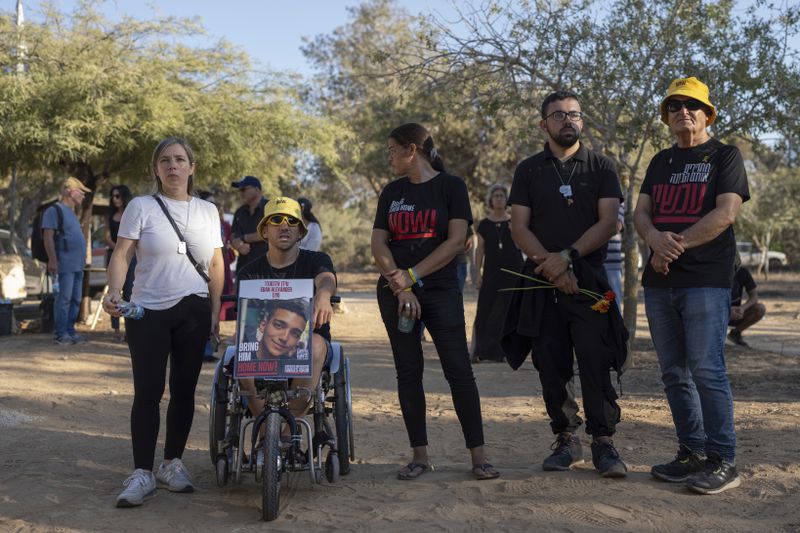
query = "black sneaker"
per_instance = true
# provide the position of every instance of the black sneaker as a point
(716, 477)
(686, 462)
(606, 460)
(567, 451)
(735, 336)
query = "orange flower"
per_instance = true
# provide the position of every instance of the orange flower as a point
(601, 306)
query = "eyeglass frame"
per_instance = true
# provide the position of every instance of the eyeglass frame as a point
(283, 218)
(567, 114)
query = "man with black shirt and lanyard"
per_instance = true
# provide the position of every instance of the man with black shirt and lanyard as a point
(283, 228)
(687, 205)
(244, 238)
(564, 203)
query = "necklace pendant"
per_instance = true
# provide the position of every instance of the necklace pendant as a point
(570, 202)
(499, 245)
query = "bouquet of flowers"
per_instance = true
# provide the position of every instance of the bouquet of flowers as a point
(602, 301)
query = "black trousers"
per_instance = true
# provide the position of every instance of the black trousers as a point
(568, 323)
(443, 314)
(177, 334)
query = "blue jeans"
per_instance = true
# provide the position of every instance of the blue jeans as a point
(68, 302)
(688, 327)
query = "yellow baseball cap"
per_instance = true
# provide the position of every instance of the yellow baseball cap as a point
(75, 183)
(693, 88)
(283, 205)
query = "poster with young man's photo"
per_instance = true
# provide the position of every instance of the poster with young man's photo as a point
(273, 328)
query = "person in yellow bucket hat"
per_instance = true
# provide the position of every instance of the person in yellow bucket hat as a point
(687, 205)
(282, 227)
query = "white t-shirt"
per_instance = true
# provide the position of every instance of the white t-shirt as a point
(163, 276)
(313, 239)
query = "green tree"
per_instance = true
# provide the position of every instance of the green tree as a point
(98, 95)
(620, 57)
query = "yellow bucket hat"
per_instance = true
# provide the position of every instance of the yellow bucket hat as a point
(283, 205)
(693, 88)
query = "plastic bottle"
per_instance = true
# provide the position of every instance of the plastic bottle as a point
(55, 286)
(405, 322)
(130, 310)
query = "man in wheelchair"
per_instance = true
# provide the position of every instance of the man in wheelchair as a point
(282, 227)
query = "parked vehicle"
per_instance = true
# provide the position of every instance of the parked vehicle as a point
(12, 270)
(752, 256)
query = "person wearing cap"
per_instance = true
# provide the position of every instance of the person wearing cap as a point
(313, 239)
(688, 202)
(66, 258)
(244, 237)
(282, 227)
(564, 204)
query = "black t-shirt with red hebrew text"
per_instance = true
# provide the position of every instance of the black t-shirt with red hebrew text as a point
(416, 215)
(683, 185)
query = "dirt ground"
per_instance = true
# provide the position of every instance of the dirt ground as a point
(64, 435)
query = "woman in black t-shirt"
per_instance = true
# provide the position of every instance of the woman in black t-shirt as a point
(120, 196)
(420, 226)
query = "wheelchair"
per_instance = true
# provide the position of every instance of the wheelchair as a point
(236, 448)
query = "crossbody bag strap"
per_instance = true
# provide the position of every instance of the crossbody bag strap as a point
(189, 255)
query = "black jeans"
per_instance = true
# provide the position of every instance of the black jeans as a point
(443, 314)
(568, 323)
(178, 334)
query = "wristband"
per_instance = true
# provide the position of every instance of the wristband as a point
(415, 279)
(407, 289)
(565, 255)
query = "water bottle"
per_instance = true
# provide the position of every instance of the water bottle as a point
(405, 323)
(55, 286)
(130, 310)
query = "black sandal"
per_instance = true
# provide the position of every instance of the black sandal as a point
(413, 471)
(484, 471)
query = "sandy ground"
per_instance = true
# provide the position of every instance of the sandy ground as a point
(66, 448)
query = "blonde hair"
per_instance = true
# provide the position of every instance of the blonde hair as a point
(163, 145)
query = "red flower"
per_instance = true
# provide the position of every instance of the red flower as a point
(610, 296)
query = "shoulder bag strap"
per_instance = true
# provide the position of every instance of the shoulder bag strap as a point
(197, 266)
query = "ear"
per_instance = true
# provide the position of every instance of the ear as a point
(543, 125)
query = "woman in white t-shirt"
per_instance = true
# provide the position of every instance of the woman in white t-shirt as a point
(313, 239)
(181, 307)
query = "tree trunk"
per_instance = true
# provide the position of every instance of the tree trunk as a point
(631, 280)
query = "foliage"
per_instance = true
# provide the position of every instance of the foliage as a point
(620, 57)
(97, 96)
(346, 235)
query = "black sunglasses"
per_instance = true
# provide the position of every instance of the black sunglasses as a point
(673, 106)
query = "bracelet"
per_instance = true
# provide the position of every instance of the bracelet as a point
(407, 289)
(416, 280)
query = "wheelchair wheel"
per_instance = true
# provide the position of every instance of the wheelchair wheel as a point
(218, 411)
(271, 477)
(341, 412)
(332, 467)
(222, 471)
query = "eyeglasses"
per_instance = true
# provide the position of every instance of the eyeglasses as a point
(277, 220)
(561, 116)
(674, 106)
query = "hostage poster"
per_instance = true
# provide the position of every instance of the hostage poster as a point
(273, 328)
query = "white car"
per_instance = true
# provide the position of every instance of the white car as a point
(12, 271)
(751, 256)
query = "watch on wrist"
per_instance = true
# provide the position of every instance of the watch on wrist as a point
(573, 254)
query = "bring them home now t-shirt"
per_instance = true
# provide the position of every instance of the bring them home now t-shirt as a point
(417, 215)
(683, 184)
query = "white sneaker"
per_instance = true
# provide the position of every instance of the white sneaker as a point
(175, 476)
(139, 486)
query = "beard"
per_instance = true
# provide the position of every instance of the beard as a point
(566, 136)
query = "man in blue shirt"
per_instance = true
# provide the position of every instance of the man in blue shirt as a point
(66, 252)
